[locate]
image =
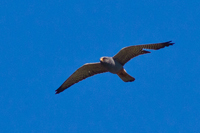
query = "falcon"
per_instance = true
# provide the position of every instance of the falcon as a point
(113, 64)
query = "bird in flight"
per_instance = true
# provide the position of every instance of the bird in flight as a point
(111, 64)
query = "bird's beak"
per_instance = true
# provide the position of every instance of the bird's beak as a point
(101, 59)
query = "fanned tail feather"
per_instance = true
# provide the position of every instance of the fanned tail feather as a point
(125, 76)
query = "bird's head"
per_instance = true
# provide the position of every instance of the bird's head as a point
(106, 60)
(103, 59)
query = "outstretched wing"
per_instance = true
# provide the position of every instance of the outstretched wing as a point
(87, 70)
(127, 53)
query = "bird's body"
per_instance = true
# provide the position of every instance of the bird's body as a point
(111, 64)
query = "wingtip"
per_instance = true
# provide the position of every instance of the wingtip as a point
(58, 91)
(169, 43)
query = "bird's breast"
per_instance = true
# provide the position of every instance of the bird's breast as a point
(112, 66)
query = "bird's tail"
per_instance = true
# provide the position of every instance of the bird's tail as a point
(125, 76)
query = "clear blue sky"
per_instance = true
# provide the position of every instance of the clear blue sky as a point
(44, 42)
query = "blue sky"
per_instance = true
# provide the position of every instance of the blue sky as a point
(44, 42)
